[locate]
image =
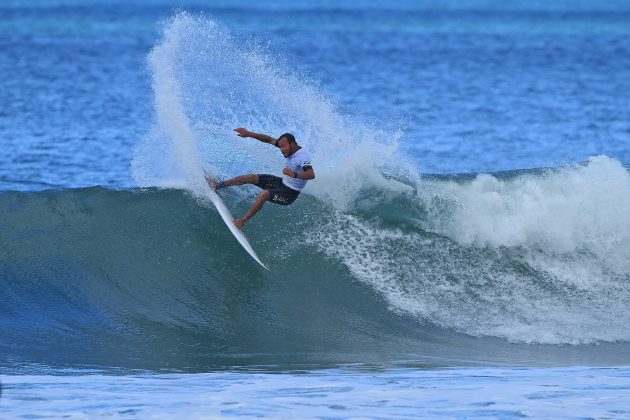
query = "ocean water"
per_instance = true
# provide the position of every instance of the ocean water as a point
(463, 252)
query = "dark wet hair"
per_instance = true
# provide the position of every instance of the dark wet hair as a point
(289, 137)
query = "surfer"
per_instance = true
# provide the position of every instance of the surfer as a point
(278, 190)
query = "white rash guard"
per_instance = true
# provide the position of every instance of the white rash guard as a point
(298, 162)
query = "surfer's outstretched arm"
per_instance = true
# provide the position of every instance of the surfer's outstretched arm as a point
(243, 132)
(255, 208)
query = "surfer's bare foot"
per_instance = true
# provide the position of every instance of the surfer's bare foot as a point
(213, 184)
(239, 223)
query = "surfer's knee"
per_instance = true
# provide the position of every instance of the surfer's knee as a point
(252, 179)
(264, 195)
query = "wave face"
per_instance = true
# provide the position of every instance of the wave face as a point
(532, 257)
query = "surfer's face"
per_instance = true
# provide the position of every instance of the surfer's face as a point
(285, 146)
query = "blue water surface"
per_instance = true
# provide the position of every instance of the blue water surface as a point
(472, 86)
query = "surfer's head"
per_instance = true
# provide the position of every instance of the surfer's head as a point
(287, 144)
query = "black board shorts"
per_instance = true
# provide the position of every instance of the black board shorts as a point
(280, 193)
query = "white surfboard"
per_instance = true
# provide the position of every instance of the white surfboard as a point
(229, 221)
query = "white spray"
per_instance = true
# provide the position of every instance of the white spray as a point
(206, 83)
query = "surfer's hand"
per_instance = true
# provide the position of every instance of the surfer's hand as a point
(288, 172)
(242, 132)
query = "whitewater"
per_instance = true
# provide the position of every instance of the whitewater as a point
(393, 290)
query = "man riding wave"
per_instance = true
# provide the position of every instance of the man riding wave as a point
(283, 191)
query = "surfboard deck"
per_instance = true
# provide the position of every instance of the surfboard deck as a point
(229, 221)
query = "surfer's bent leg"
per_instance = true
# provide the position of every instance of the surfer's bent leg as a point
(255, 208)
(278, 192)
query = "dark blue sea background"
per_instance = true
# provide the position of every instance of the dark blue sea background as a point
(463, 251)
